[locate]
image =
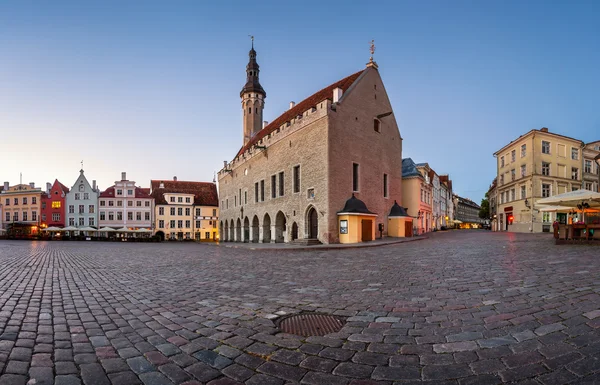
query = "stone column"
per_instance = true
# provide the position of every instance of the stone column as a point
(260, 234)
(273, 234)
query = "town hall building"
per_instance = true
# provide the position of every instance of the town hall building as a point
(327, 170)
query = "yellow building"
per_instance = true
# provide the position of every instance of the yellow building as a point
(21, 209)
(536, 165)
(185, 210)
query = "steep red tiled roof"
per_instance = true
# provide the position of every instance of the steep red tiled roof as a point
(300, 108)
(62, 186)
(139, 192)
(205, 193)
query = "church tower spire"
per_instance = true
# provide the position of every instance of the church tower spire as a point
(253, 98)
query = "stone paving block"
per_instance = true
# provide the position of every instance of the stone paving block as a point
(13, 379)
(336, 354)
(92, 374)
(446, 372)
(124, 378)
(154, 378)
(67, 380)
(262, 379)
(66, 367)
(350, 369)
(213, 359)
(140, 365)
(41, 376)
(316, 378)
(17, 367)
(396, 373)
(282, 371)
(238, 372)
(202, 372)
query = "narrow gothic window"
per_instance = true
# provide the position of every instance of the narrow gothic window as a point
(249, 110)
(256, 111)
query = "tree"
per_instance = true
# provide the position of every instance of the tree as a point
(485, 208)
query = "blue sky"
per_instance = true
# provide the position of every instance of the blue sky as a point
(152, 87)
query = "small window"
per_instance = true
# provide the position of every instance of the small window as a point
(297, 179)
(377, 125)
(273, 186)
(249, 110)
(385, 185)
(355, 177)
(281, 184)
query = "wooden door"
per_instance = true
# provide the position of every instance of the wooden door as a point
(408, 229)
(367, 230)
(313, 224)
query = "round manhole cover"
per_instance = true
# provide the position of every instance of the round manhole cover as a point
(311, 324)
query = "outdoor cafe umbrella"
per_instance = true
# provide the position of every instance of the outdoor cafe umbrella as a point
(573, 199)
(53, 229)
(70, 228)
(124, 230)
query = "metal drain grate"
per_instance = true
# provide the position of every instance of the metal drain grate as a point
(311, 324)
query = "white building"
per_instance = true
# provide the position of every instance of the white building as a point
(126, 205)
(82, 203)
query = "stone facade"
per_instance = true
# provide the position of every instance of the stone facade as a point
(22, 206)
(293, 177)
(82, 203)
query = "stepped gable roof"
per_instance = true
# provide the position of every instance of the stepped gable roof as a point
(355, 205)
(311, 101)
(205, 193)
(409, 168)
(398, 211)
(139, 193)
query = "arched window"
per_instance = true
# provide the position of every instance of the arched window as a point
(256, 112)
(249, 110)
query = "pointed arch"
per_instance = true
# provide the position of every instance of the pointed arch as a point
(311, 220)
(266, 228)
(246, 233)
(238, 230)
(280, 227)
(255, 230)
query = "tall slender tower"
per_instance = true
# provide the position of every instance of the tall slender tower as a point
(253, 98)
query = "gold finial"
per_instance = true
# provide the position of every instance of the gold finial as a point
(371, 62)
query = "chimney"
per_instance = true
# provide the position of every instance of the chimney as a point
(265, 124)
(337, 94)
(48, 187)
(292, 104)
(6, 186)
(162, 185)
(32, 184)
(224, 164)
(123, 175)
(174, 179)
(94, 185)
(544, 129)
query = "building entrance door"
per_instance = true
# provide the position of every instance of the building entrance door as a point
(367, 230)
(313, 224)
(408, 229)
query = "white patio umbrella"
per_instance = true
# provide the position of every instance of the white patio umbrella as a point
(87, 229)
(70, 228)
(52, 229)
(573, 198)
(106, 230)
(143, 230)
(124, 230)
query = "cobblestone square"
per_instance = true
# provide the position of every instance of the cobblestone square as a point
(462, 307)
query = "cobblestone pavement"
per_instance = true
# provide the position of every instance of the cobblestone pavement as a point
(462, 307)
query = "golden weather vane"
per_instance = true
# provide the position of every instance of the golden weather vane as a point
(372, 49)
